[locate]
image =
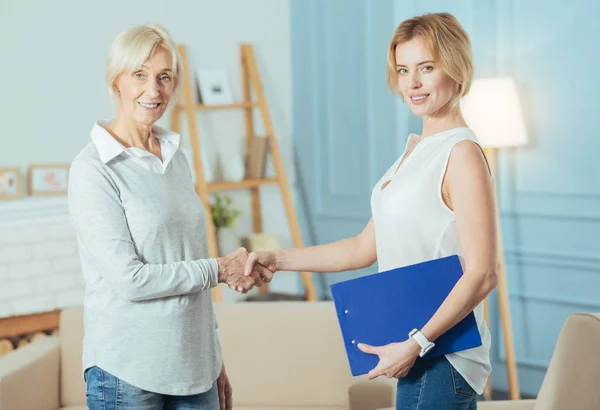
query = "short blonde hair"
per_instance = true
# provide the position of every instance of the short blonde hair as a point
(133, 47)
(446, 40)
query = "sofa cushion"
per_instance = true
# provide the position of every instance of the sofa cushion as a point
(290, 408)
(367, 394)
(72, 386)
(506, 405)
(498, 405)
(284, 354)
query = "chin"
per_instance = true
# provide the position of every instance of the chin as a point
(424, 111)
(148, 119)
(419, 111)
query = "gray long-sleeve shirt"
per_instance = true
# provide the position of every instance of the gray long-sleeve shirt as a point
(148, 311)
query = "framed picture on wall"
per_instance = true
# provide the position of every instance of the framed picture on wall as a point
(11, 183)
(48, 179)
(214, 87)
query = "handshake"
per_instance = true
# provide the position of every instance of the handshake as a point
(242, 271)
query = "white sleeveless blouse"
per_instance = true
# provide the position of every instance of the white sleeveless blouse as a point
(413, 225)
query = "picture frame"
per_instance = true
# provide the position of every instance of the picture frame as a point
(11, 183)
(214, 89)
(51, 179)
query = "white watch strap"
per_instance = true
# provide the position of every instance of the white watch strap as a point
(425, 344)
(421, 340)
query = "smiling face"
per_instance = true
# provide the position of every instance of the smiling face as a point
(423, 83)
(145, 93)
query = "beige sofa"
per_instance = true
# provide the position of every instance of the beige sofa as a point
(572, 381)
(289, 356)
(279, 356)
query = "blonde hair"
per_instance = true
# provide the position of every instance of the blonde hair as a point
(446, 40)
(133, 47)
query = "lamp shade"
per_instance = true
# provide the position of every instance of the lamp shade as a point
(493, 111)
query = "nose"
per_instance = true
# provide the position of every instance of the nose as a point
(415, 80)
(152, 89)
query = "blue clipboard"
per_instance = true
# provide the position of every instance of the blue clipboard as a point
(384, 307)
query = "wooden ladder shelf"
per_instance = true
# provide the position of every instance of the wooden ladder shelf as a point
(251, 81)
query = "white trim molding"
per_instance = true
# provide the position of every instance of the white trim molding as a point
(33, 210)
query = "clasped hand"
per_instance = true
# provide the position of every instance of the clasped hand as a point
(232, 269)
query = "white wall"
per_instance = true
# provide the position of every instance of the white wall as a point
(53, 56)
(39, 268)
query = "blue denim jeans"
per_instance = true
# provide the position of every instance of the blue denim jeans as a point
(107, 392)
(434, 385)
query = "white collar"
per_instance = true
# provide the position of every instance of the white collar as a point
(108, 147)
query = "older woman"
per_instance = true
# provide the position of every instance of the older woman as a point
(150, 332)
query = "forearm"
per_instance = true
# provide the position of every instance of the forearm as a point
(466, 295)
(331, 257)
(136, 281)
(154, 281)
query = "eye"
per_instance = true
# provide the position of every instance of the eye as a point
(402, 71)
(428, 68)
(139, 76)
(165, 77)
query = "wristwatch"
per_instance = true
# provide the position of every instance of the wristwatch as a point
(425, 344)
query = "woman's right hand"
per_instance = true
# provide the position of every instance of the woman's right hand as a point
(267, 259)
(232, 272)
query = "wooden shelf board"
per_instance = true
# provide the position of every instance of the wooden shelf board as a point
(245, 184)
(203, 107)
(19, 325)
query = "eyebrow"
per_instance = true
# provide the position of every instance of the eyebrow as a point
(421, 63)
(164, 69)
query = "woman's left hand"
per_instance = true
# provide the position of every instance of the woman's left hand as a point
(395, 359)
(224, 390)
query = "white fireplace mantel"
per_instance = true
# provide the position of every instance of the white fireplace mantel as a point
(30, 210)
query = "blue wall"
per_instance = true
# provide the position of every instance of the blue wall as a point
(348, 129)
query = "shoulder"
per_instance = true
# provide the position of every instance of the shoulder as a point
(467, 162)
(465, 147)
(88, 157)
(87, 166)
(467, 150)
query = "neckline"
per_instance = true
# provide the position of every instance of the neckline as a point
(439, 134)
(141, 169)
(404, 159)
(109, 147)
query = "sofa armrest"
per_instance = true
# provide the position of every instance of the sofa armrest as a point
(368, 394)
(29, 376)
(506, 405)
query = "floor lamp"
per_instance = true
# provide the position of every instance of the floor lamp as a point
(493, 111)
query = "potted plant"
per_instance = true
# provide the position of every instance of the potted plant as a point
(224, 215)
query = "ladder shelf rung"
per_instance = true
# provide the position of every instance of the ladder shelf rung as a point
(244, 184)
(204, 107)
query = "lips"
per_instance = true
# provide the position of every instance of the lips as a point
(150, 106)
(419, 98)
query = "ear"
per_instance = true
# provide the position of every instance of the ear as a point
(115, 87)
(458, 87)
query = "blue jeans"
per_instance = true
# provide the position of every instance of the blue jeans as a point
(107, 392)
(434, 385)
